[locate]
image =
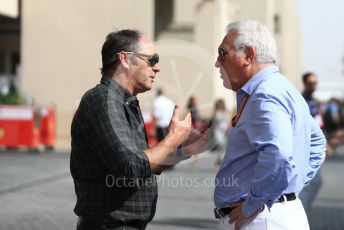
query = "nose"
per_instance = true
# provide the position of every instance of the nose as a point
(217, 63)
(156, 68)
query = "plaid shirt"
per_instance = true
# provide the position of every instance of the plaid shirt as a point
(111, 172)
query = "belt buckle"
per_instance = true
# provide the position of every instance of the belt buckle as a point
(218, 212)
(284, 198)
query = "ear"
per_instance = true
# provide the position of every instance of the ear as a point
(124, 59)
(250, 54)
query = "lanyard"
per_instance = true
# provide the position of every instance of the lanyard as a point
(241, 108)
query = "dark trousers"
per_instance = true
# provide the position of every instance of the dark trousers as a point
(87, 223)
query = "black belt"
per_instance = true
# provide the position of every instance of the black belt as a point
(88, 223)
(286, 197)
(222, 212)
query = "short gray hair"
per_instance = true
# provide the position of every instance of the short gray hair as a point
(254, 34)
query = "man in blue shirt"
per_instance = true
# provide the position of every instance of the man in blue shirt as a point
(274, 147)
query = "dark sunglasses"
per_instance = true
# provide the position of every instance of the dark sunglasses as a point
(221, 54)
(151, 61)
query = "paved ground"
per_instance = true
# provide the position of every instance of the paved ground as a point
(36, 192)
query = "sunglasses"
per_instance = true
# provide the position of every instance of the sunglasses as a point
(150, 60)
(221, 54)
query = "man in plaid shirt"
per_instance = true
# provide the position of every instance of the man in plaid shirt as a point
(112, 166)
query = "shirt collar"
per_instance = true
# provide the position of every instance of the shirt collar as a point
(124, 95)
(260, 76)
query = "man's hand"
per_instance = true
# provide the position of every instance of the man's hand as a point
(197, 141)
(163, 155)
(178, 130)
(237, 217)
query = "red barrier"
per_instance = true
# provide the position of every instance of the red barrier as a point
(149, 126)
(48, 126)
(17, 127)
(27, 126)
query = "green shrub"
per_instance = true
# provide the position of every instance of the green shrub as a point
(12, 98)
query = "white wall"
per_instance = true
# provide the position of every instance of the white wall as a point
(9, 8)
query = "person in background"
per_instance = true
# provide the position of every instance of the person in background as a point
(162, 113)
(220, 125)
(192, 107)
(333, 123)
(310, 83)
(309, 193)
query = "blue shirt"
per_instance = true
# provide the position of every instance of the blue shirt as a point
(312, 105)
(275, 148)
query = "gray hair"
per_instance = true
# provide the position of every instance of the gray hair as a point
(254, 34)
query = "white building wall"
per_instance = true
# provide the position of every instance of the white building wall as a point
(9, 8)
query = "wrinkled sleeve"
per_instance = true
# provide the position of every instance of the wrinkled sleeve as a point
(271, 136)
(113, 141)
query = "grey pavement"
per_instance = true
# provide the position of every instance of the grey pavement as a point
(328, 208)
(36, 192)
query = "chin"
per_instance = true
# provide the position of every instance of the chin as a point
(147, 88)
(227, 85)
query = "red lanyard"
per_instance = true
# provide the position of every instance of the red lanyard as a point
(241, 108)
